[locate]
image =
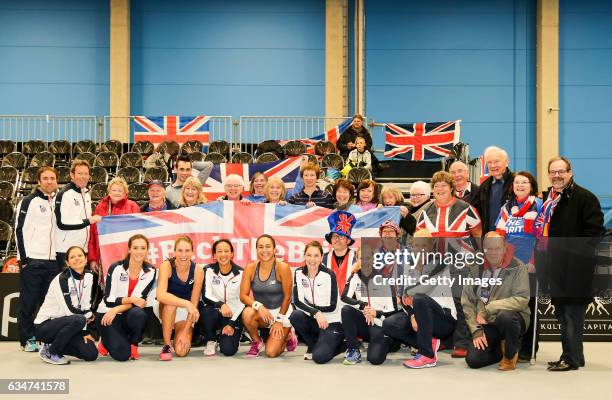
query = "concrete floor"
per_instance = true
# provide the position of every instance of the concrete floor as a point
(290, 377)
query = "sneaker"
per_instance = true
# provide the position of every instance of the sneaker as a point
(256, 348)
(134, 355)
(166, 353)
(102, 350)
(352, 357)
(420, 361)
(210, 349)
(292, 342)
(459, 352)
(51, 358)
(30, 346)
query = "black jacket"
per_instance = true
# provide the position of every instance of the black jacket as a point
(484, 194)
(473, 197)
(568, 264)
(348, 136)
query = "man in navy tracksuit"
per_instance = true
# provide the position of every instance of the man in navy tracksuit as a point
(35, 238)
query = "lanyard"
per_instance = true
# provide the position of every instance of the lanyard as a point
(79, 288)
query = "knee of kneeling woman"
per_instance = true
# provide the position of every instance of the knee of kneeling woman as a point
(377, 359)
(248, 314)
(320, 357)
(228, 351)
(77, 319)
(418, 299)
(346, 310)
(182, 349)
(120, 354)
(91, 355)
(472, 361)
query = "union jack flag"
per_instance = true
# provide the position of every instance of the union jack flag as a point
(421, 141)
(172, 128)
(292, 227)
(287, 169)
(331, 135)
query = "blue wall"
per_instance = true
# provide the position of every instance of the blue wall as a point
(585, 92)
(445, 60)
(228, 57)
(54, 57)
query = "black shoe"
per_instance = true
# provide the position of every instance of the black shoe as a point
(554, 363)
(524, 358)
(562, 367)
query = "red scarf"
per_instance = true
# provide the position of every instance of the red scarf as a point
(340, 270)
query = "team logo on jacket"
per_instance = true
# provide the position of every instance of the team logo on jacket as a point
(305, 283)
(76, 202)
(216, 280)
(123, 277)
(43, 209)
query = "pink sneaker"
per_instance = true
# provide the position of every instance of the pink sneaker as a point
(292, 342)
(420, 361)
(256, 348)
(166, 353)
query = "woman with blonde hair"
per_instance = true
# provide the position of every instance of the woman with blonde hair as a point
(116, 202)
(275, 191)
(391, 196)
(191, 193)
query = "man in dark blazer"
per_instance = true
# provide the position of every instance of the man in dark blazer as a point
(464, 189)
(496, 190)
(571, 223)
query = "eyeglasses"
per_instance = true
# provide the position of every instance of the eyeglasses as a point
(558, 173)
(232, 185)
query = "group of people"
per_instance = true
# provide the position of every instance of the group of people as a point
(331, 302)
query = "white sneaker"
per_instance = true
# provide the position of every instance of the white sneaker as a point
(308, 356)
(211, 348)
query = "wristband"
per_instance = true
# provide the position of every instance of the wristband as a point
(280, 318)
(256, 305)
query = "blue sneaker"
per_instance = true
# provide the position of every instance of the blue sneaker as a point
(352, 357)
(30, 346)
(51, 358)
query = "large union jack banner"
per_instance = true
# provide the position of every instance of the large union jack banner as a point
(172, 128)
(422, 140)
(292, 226)
(287, 169)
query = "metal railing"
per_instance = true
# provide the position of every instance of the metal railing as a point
(256, 129)
(22, 128)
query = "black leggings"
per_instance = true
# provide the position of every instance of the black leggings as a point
(354, 325)
(213, 321)
(508, 326)
(35, 278)
(433, 322)
(65, 334)
(324, 344)
(125, 330)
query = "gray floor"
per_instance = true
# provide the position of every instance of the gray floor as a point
(290, 377)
